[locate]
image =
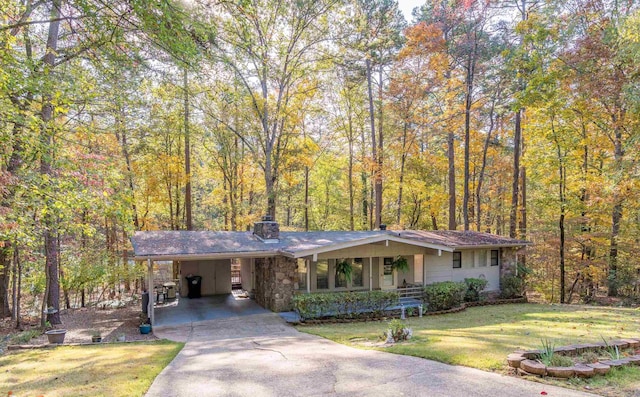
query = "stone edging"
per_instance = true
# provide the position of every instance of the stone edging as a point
(526, 361)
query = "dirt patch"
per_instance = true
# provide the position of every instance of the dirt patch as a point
(82, 323)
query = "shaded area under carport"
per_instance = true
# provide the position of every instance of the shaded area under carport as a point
(186, 311)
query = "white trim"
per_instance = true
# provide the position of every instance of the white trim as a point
(218, 255)
(369, 240)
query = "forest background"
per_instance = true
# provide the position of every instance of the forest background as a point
(515, 117)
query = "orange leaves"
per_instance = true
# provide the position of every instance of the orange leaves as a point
(422, 39)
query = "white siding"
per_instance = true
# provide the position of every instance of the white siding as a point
(440, 268)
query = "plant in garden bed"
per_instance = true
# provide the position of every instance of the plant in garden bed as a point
(589, 357)
(344, 304)
(397, 331)
(444, 295)
(547, 351)
(612, 351)
(474, 287)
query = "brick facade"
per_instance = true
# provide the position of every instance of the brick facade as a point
(275, 279)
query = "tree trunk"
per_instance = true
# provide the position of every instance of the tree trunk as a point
(352, 224)
(378, 180)
(187, 154)
(17, 286)
(306, 198)
(467, 137)
(403, 161)
(452, 180)
(513, 215)
(483, 167)
(50, 223)
(374, 147)
(616, 215)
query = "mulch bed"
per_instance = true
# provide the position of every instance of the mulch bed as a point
(82, 323)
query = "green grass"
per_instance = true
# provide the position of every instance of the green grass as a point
(120, 369)
(482, 337)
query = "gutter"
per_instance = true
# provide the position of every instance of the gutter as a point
(217, 255)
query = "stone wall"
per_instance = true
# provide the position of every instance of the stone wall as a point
(275, 278)
(508, 262)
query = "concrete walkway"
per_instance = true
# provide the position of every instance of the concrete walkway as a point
(259, 355)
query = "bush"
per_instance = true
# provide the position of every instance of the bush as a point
(344, 304)
(444, 295)
(511, 287)
(474, 287)
(398, 331)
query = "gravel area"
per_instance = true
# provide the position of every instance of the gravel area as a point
(82, 323)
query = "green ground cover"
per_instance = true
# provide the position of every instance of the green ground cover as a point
(119, 369)
(482, 337)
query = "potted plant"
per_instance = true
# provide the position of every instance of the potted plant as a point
(56, 336)
(145, 328)
(343, 267)
(400, 264)
(96, 337)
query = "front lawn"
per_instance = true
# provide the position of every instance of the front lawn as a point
(482, 337)
(121, 369)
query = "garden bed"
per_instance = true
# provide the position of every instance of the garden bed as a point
(395, 313)
(582, 361)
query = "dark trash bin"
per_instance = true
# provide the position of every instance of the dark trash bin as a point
(195, 283)
(145, 302)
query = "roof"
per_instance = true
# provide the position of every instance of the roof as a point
(182, 244)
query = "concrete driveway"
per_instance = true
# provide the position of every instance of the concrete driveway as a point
(259, 355)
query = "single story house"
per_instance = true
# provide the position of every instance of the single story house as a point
(276, 265)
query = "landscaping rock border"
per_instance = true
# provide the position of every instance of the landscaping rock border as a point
(526, 361)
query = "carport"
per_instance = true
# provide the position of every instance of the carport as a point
(189, 311)
(206, 254)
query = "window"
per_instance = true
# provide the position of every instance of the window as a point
(482, 258)
(457, 260)
(341, 279)
(388, 272)
(322, 275)
(357, 272)
(495, 257)
(302, 274)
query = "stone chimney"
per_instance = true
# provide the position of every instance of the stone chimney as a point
(267, 230)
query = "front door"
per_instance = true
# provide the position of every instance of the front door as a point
(388, 279)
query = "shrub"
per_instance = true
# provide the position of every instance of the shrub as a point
(511, 287)
(344, 304)
(398, 331)
(474, 287)
(444, 295)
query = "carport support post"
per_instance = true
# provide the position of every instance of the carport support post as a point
(152, 296)
(370, 274)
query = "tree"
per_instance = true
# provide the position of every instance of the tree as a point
(269, 48)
